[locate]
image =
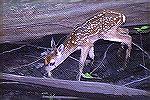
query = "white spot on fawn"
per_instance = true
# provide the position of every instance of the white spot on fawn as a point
(124, 18)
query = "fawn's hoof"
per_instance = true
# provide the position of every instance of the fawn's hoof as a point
(78, 77)
(47, 75)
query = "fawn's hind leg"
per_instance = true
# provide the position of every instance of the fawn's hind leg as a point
(122, 31)
(116, 35)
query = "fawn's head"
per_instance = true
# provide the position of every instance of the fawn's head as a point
(53, 56)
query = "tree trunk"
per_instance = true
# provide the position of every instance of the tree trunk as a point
(24, 21)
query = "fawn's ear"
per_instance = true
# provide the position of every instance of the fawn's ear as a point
(53, 45)
(61, 48)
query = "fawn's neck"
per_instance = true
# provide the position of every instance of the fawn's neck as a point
(64, 55)
(70, 45)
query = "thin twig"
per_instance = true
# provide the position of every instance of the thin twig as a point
(31, 56)
(39, 47)
(142, 47)
(42, 57)
(145, 67)
(141, 50)
(12, 50)
(136, 81)
(73, 58)
(105, 54)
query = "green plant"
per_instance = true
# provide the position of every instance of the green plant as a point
(142, 28)
(87, 75)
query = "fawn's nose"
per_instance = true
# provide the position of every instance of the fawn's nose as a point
(51, 64)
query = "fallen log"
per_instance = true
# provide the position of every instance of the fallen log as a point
(77, 88)
(25, 21)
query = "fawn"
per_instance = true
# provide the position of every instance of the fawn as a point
(105, 25)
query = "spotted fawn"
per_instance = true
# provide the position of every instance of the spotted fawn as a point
(105, 25)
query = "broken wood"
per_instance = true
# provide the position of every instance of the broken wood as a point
(76, 88)
(25, 21)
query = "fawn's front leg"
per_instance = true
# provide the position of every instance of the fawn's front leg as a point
(84, 53)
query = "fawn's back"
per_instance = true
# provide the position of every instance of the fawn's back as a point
(98, 24)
